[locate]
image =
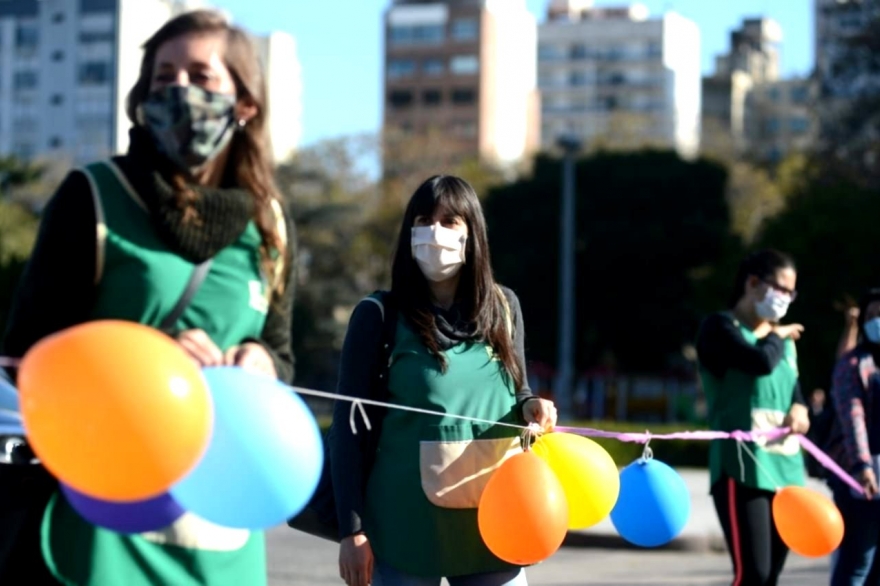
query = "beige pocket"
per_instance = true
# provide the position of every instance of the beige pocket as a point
(454, 473)
(770, 419)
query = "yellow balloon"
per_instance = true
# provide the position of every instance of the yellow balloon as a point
(588, 475)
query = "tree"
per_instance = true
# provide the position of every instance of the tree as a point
(830, 230)
(850, 106)
(650, 226)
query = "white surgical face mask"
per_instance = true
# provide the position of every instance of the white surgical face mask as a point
(438, 251)
(774, 306)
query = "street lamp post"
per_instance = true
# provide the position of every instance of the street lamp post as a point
(570, 146)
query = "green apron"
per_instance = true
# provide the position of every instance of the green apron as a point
(429, 473)
(140, 279)
(754, 403)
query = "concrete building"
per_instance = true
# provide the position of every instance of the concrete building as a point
(836, 22)
(284, 85)
(746, 103)
(66, 67)
(610, 73)
(465, 68)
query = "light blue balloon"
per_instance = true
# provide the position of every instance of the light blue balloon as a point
(8, 395)
(654, 504)
(264, 459)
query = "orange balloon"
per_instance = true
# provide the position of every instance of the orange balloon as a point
(808, 522)
(523, 514)
(115, 409)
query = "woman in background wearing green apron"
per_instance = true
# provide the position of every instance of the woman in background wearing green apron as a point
(458, 349)
(748, 368)
(121, 239)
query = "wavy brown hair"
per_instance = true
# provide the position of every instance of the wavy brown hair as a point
(249, 164)
(477, 291)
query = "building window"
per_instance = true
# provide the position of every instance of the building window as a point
(398, 68)
(400, 98)
(94, 73)
(465, 29)
(800, 95)
(773, 94)
(548, 52)
(577, 78)
(464, 97)
(799, 125)
(655, 49)
(464, 65)
(55, 142)
(432, 97)
(433, 66)
(27, 36)
(464, 129)
(24, 80)
(88, 37)
(578, 51)
(58, 55)
(616, 78)
(771, 125)
(58, 18)
(23, 150)
(57, 100)
(417, 35)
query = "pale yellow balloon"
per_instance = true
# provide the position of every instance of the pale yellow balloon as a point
(588, 475)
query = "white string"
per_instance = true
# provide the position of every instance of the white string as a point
(362, 402)
(647, 452)
(355, 406)
(742, 465)
(772, 478)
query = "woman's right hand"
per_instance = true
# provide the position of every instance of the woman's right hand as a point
(869, 482)
(792, 331)
(200, 348)
(356, 560)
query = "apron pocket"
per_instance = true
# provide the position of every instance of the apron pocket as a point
(455, 469)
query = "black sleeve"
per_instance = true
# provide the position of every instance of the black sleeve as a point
(57, 287)
(357, 369)
(797, 397)
(276, 334)
(721, 346)
(519, 347)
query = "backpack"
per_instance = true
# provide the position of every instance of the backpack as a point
(319, 516)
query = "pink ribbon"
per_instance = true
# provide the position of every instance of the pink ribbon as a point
(738, 435)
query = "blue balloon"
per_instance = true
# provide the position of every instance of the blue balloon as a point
(654, 504)
(264, 459)
(130, 517)
(8, 396)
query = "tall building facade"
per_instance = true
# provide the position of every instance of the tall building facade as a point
(746, 102)
(465, 68)
(604, 72)
(66, 67)
(284, 86)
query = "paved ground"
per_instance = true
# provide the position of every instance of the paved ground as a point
(596, 556)
(296, 559)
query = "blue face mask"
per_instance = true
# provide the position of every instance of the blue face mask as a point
(872, 330)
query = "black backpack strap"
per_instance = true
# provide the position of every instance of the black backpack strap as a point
(389, 335)
(195, 281)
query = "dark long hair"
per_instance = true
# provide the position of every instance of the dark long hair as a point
(762, 264)
(477, 292)
(249, 160)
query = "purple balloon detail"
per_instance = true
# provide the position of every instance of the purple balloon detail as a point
(128, 517)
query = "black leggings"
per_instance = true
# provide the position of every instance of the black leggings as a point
(746, 516)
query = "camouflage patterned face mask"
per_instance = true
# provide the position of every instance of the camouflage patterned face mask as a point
(190, 124)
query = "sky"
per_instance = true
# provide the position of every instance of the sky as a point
(340, 47)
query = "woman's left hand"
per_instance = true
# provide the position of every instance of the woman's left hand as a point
(251, 357)
(798, 419)
(540, 411)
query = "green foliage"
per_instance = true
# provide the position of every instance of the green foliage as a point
(650, 228)
(830, 230)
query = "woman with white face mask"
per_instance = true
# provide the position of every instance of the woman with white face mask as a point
(748, 369)
(410, 520)
(855, 445)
